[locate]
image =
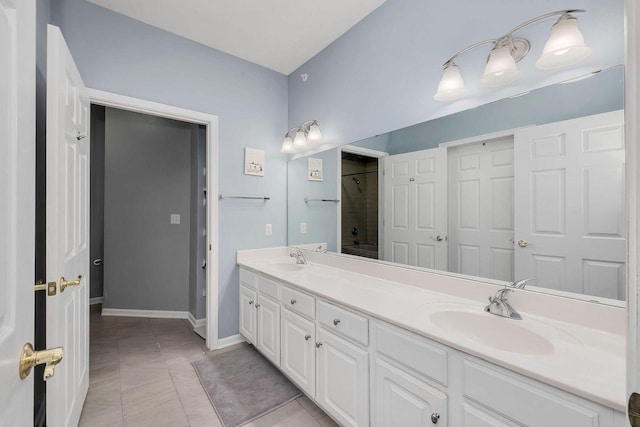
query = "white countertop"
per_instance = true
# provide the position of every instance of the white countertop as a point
(586, 361)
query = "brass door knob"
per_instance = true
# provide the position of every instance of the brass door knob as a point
(523, 243)
(30, 358)
(65, 284)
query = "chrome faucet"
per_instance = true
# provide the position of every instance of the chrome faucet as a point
(499, 306)
(520, 284)
(299, 255)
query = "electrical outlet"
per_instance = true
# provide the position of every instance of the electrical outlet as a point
(303, 228)
(268, 230)
(175, 218)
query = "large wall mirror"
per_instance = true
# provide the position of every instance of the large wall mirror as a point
(528, 187)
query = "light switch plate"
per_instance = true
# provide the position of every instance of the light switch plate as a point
(175, 218)
(303, 228)
(268, 230)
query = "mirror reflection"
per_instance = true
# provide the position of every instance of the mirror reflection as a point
(528, 187)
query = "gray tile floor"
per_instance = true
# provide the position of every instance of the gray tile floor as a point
(141, 375)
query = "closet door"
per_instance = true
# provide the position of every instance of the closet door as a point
(481, 209)
(415, 221)
(569, 196)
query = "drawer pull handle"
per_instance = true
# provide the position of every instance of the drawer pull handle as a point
(250, 301)
(336, 321)
(307, 337)
(293, 301)
(435, 417)
(318, 344)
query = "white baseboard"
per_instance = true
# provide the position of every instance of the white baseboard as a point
(157, 314)
(96, 300)
(196, 323)
(232, 340)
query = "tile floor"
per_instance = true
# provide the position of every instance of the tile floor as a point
(141, 375)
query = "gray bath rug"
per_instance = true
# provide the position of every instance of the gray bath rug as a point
(242, 385)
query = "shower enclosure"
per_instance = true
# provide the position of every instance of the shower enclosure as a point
(359, 203)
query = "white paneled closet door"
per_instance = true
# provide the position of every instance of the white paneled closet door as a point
(415, 210)
(480, 185)
(569, 205)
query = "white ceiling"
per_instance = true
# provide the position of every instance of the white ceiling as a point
(277, 34)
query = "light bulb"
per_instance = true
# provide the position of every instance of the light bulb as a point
(565, 45)
(451, 84)
(501, 67)
(314, 134)
(287, 145)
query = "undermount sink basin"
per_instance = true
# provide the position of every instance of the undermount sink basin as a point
(285, 266)
(491, 331)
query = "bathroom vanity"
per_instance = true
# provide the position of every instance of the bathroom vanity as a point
(382, 345)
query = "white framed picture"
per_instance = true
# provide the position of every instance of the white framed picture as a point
(314, 169)
(253, 162)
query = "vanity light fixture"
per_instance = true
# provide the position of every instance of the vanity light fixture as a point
(304, 136)
(564, 47)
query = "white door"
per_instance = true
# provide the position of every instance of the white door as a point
(269, 328)
(480, 186)
(17, 221)
(67, 230)
(570, 205)
(298, 351)
(342, 380)
(248, 325)
(403, 400)
(415, 221)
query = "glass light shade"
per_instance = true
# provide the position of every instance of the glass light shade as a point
(451, 85)
(314, 134)
(501, 67)
(287, 145)
(565, 46)
(300, 141)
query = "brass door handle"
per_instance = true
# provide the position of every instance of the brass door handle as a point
(30, 358)
(50, 287)
(64, 283)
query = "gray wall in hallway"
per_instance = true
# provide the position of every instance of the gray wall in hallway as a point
(96, 276)
(122, 55)
(147, 178)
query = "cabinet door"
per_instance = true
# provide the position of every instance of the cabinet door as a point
(342, 379)
(298, 351)
(269, 329)
(403, 400)
(248, 325)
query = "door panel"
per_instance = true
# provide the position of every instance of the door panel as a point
(248, 317)
(17, 221)
(67, 230)
(415, 212)
(481, 209)
(269, 329)
(572, 220)
(298, 351)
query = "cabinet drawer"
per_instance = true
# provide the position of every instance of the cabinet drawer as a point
(268, 287)
(344, 322)
(248, 278)
(412, 351)
(299, 302)
(525, 403)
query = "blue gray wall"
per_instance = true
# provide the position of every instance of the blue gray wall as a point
(382, 74)
(121, 55)
(147, 178)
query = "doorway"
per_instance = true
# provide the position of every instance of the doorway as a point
(148, 216)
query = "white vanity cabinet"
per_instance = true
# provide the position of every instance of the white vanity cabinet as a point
(260, 313)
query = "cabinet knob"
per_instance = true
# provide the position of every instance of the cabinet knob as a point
(318, 344)
(307, 337)
(336, 321)
(435, 417)
(250, 301)
(293, 301)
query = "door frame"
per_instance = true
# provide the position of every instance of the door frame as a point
(109, 99)
(380, 155)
